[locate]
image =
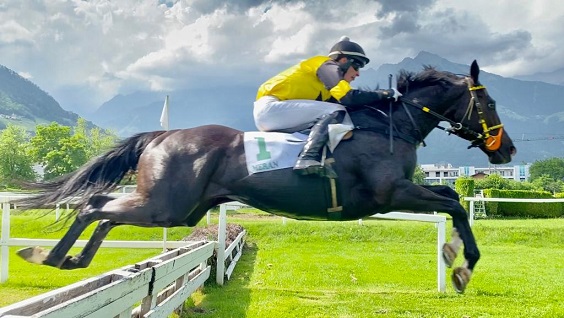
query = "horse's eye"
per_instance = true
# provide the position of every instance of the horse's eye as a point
(491, 105)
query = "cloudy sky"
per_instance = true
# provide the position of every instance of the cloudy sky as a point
(85, 52)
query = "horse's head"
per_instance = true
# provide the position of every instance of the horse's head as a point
(465, 104)
(481, 122)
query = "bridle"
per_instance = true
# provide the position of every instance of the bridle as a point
(486, 138)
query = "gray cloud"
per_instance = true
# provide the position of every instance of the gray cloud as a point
(100, 48)
(406, 6)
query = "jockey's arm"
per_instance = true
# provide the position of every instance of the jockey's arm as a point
(356, 97)
(332, 77)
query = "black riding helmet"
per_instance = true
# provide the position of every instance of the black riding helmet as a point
(351, 50)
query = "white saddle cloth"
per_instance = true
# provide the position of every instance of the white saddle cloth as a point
(266, 151)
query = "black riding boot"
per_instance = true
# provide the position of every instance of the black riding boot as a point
(309, 161)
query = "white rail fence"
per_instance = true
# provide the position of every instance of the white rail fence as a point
(440, 224)
(472, 201)
(226, 257)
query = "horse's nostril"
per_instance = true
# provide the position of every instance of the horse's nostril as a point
(513, 151)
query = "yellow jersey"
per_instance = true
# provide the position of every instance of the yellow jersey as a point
(302, 82)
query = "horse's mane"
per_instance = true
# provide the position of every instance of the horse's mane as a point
(428, 77)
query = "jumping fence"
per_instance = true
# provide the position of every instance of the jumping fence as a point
(440, 224)
(229, 255)
(161, 284)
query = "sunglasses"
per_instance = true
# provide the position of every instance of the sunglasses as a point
(356, 65)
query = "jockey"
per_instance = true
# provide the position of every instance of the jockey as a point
(313, 94)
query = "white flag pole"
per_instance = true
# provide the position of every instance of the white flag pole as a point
(164, 124)
(164, 114)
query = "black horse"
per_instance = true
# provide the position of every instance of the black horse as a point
(181, 174)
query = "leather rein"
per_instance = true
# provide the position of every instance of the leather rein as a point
(489, 141)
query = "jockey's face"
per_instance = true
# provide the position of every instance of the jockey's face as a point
(351, 74)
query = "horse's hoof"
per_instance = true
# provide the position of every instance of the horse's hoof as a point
(460, 279)
(34, 255)
(449, 255)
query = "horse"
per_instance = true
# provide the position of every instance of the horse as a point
(183, 173)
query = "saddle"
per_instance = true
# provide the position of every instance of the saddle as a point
(267, 151)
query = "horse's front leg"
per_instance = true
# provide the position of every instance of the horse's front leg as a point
(408, 196)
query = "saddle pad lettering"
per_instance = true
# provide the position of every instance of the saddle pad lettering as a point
(266, 151)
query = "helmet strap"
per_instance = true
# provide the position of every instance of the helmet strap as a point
(346, 65)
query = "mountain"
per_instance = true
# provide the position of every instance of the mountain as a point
(532, 111)
(24, 104)
(140, 111)
(528, 109)
(554, 77)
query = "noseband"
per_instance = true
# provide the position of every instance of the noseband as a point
(491, 142)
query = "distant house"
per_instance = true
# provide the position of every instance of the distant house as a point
(11, 117)
(479, 175)
(445, 173)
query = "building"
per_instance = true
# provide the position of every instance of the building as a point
(445, 173)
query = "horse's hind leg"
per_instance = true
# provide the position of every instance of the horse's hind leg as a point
(57, 255)
(132, 209)
(84, 258)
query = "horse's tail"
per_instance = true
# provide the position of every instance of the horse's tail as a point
(101, 174)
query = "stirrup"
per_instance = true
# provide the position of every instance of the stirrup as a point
(309, 167)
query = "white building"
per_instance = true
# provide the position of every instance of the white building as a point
(447, 174)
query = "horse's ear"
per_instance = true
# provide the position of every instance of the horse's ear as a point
(474, 71)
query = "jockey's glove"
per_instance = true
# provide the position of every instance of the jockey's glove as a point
(356, 97)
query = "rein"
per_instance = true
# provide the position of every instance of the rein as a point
(491, 142)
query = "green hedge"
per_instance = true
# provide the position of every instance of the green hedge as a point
(464, 186)
(522, 209)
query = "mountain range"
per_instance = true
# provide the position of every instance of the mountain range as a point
(529, 109)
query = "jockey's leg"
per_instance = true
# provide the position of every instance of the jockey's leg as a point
(309, 161)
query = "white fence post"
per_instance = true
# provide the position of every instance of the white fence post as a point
(222, 227)
(165, 236)
(4, 241)
(441, 266)
(471, 216)
(57, 212)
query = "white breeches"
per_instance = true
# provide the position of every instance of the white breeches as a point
(272, 114)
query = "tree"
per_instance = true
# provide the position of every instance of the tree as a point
(419, 175)
(96, 140)
(57, 150)
(493, 181)
(547, 183)
(464, 186)
(61, 149)
(15, 161)
(553, 167)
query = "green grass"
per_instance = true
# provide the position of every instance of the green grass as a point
(388, 269)
(332, 269)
